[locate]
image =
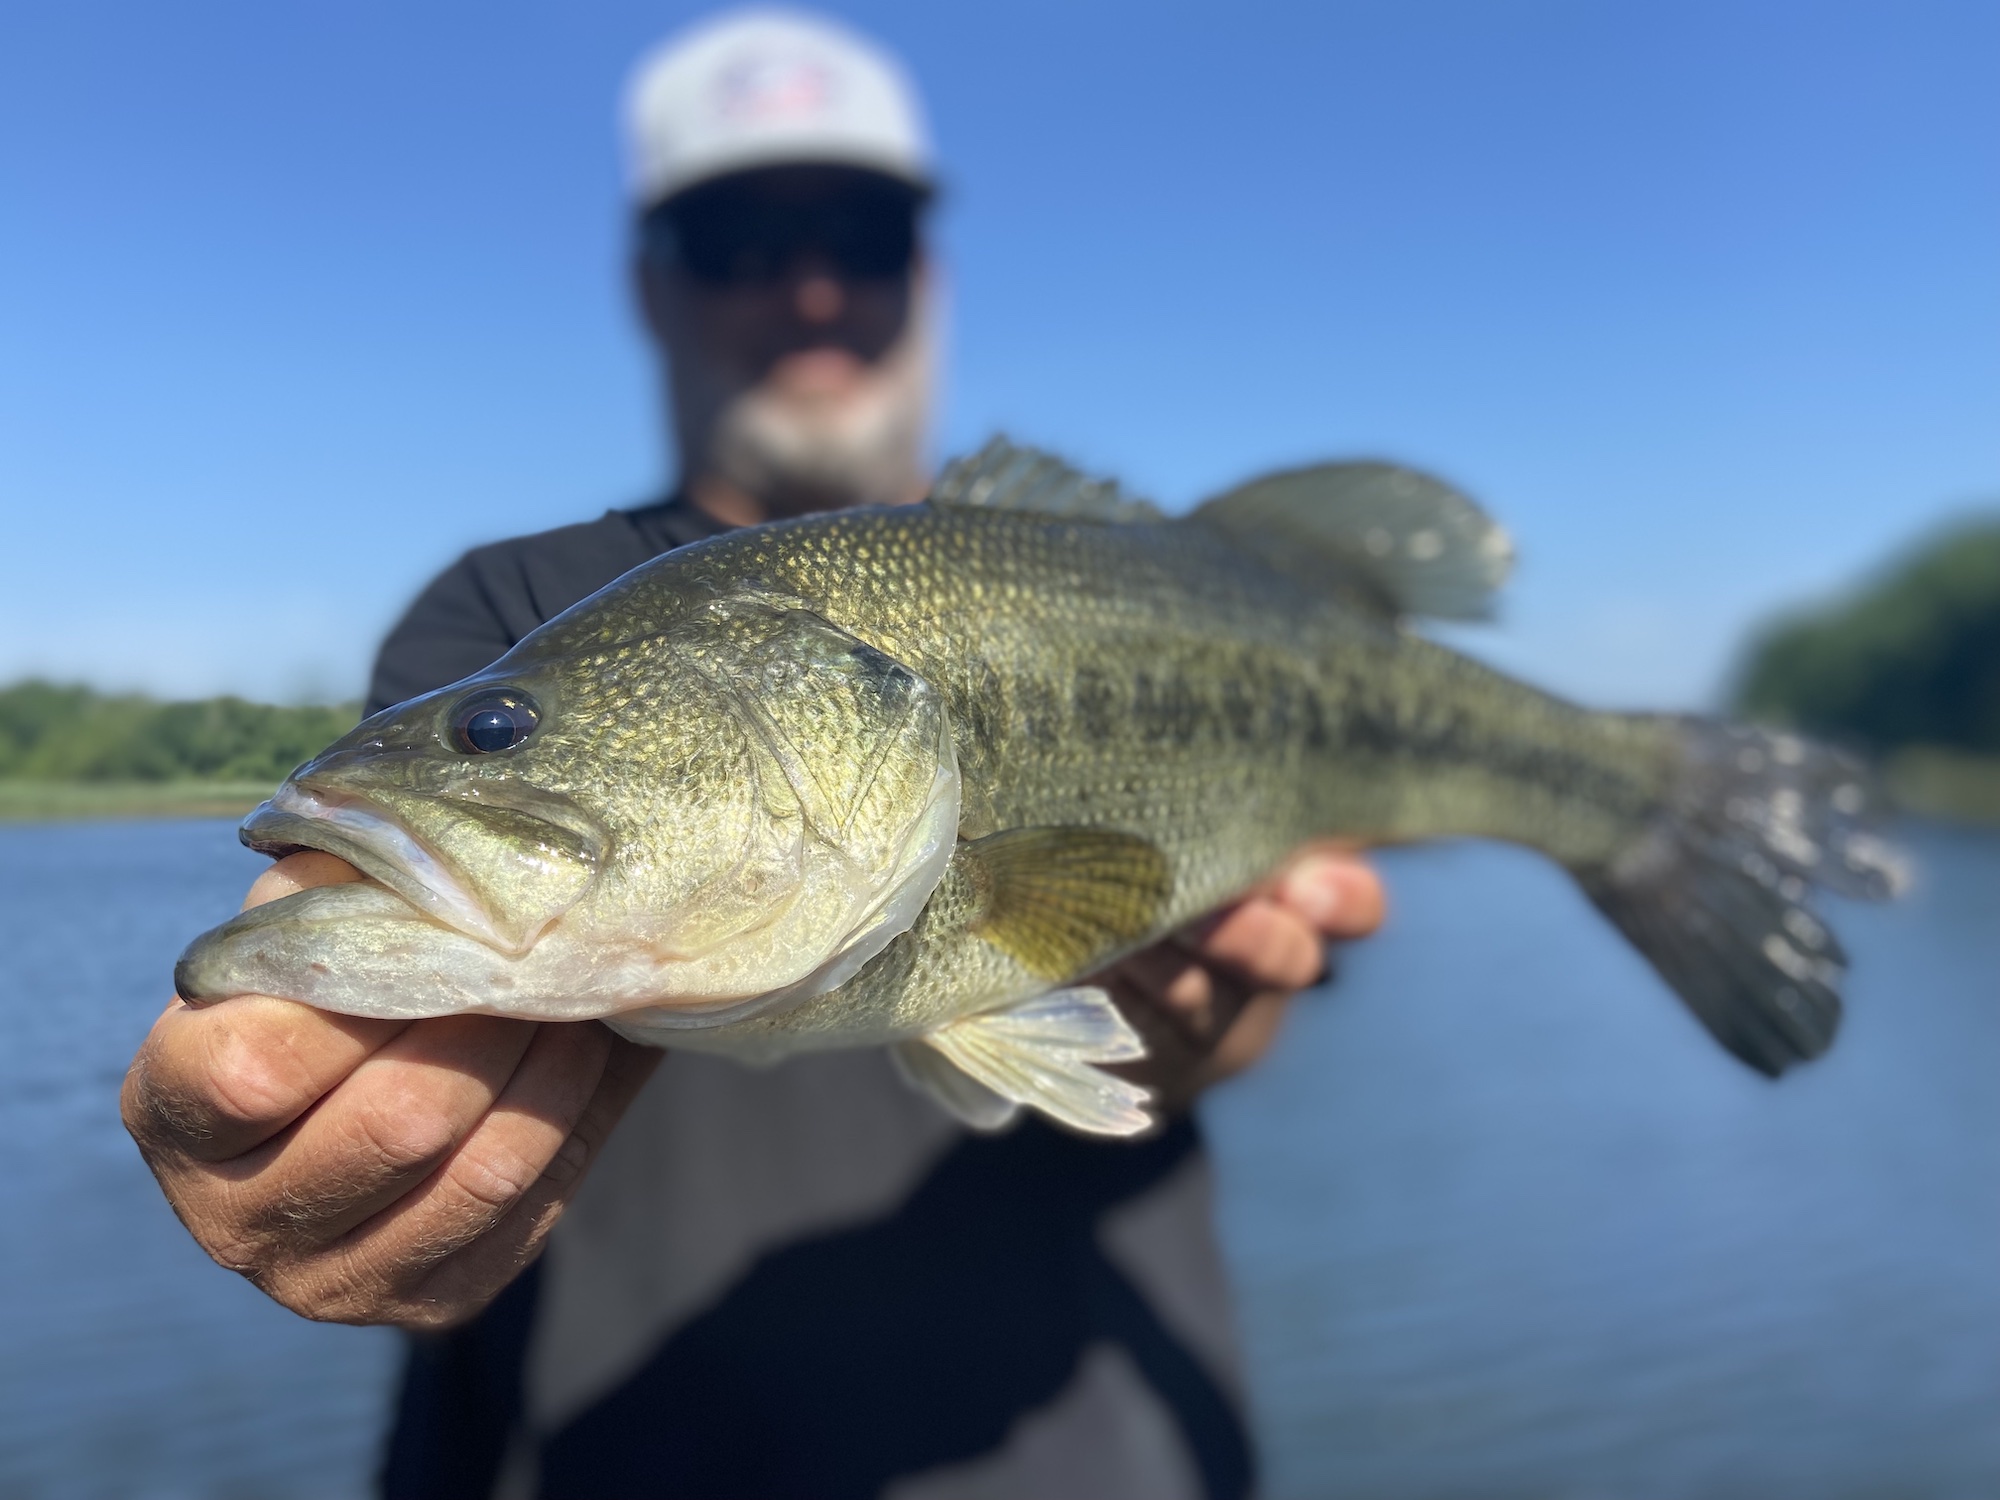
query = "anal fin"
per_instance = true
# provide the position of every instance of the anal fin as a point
(1042, 1053)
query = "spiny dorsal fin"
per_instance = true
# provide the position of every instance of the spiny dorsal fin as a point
(1006, 476)
(1042, 1053)
(1413, 541)
(1061, 901)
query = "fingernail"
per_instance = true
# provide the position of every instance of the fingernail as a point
(1314, 892)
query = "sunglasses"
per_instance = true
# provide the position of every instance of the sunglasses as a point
(731, 234)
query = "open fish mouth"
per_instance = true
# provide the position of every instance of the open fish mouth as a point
(498, 872)
(355, 830)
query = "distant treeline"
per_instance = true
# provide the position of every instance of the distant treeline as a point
(1913, 660)
(58, 733)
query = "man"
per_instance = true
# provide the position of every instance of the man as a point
(806, 1281)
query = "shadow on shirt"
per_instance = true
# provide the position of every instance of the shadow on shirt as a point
(841, 1363)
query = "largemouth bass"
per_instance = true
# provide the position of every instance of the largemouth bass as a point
(905, 777)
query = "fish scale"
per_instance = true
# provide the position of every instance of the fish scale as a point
(1190, 692)
(1191, 696)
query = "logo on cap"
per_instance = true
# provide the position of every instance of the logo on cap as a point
(761, 89)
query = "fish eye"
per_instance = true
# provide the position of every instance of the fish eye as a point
(494, 720)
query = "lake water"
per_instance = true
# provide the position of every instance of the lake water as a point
(1503, 1221)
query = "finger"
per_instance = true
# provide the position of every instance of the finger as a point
(1172, 1058)
(483, 1268)
(428, 1263)
(1168, 975)
(1337, 895)
(1176, 1065)
(209, 1084)
(495, 1166)
(299, 872)
(1264, 944)
(1246, 1041)
(381, 1133)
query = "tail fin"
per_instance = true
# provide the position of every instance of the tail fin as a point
(1713, 892)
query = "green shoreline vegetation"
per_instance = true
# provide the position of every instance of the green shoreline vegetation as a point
(68, 752)
(81, 801)
(1905, 669)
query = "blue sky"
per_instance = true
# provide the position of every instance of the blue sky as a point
(1703, 300)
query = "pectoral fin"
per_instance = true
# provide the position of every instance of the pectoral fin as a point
(1061, 901)
(1042, 1053)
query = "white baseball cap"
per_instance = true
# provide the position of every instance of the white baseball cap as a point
(763, 88)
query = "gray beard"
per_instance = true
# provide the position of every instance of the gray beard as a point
(798, 456)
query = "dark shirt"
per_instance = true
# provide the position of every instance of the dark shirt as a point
(805, 1281)
(494, 595)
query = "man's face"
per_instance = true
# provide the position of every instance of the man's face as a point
(789, 305)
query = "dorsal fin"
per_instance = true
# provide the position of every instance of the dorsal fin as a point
(1417, 545)
(1006, 476)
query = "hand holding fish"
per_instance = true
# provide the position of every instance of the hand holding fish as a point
(363, 1170)
(372, 1171)
(1208, 1003)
